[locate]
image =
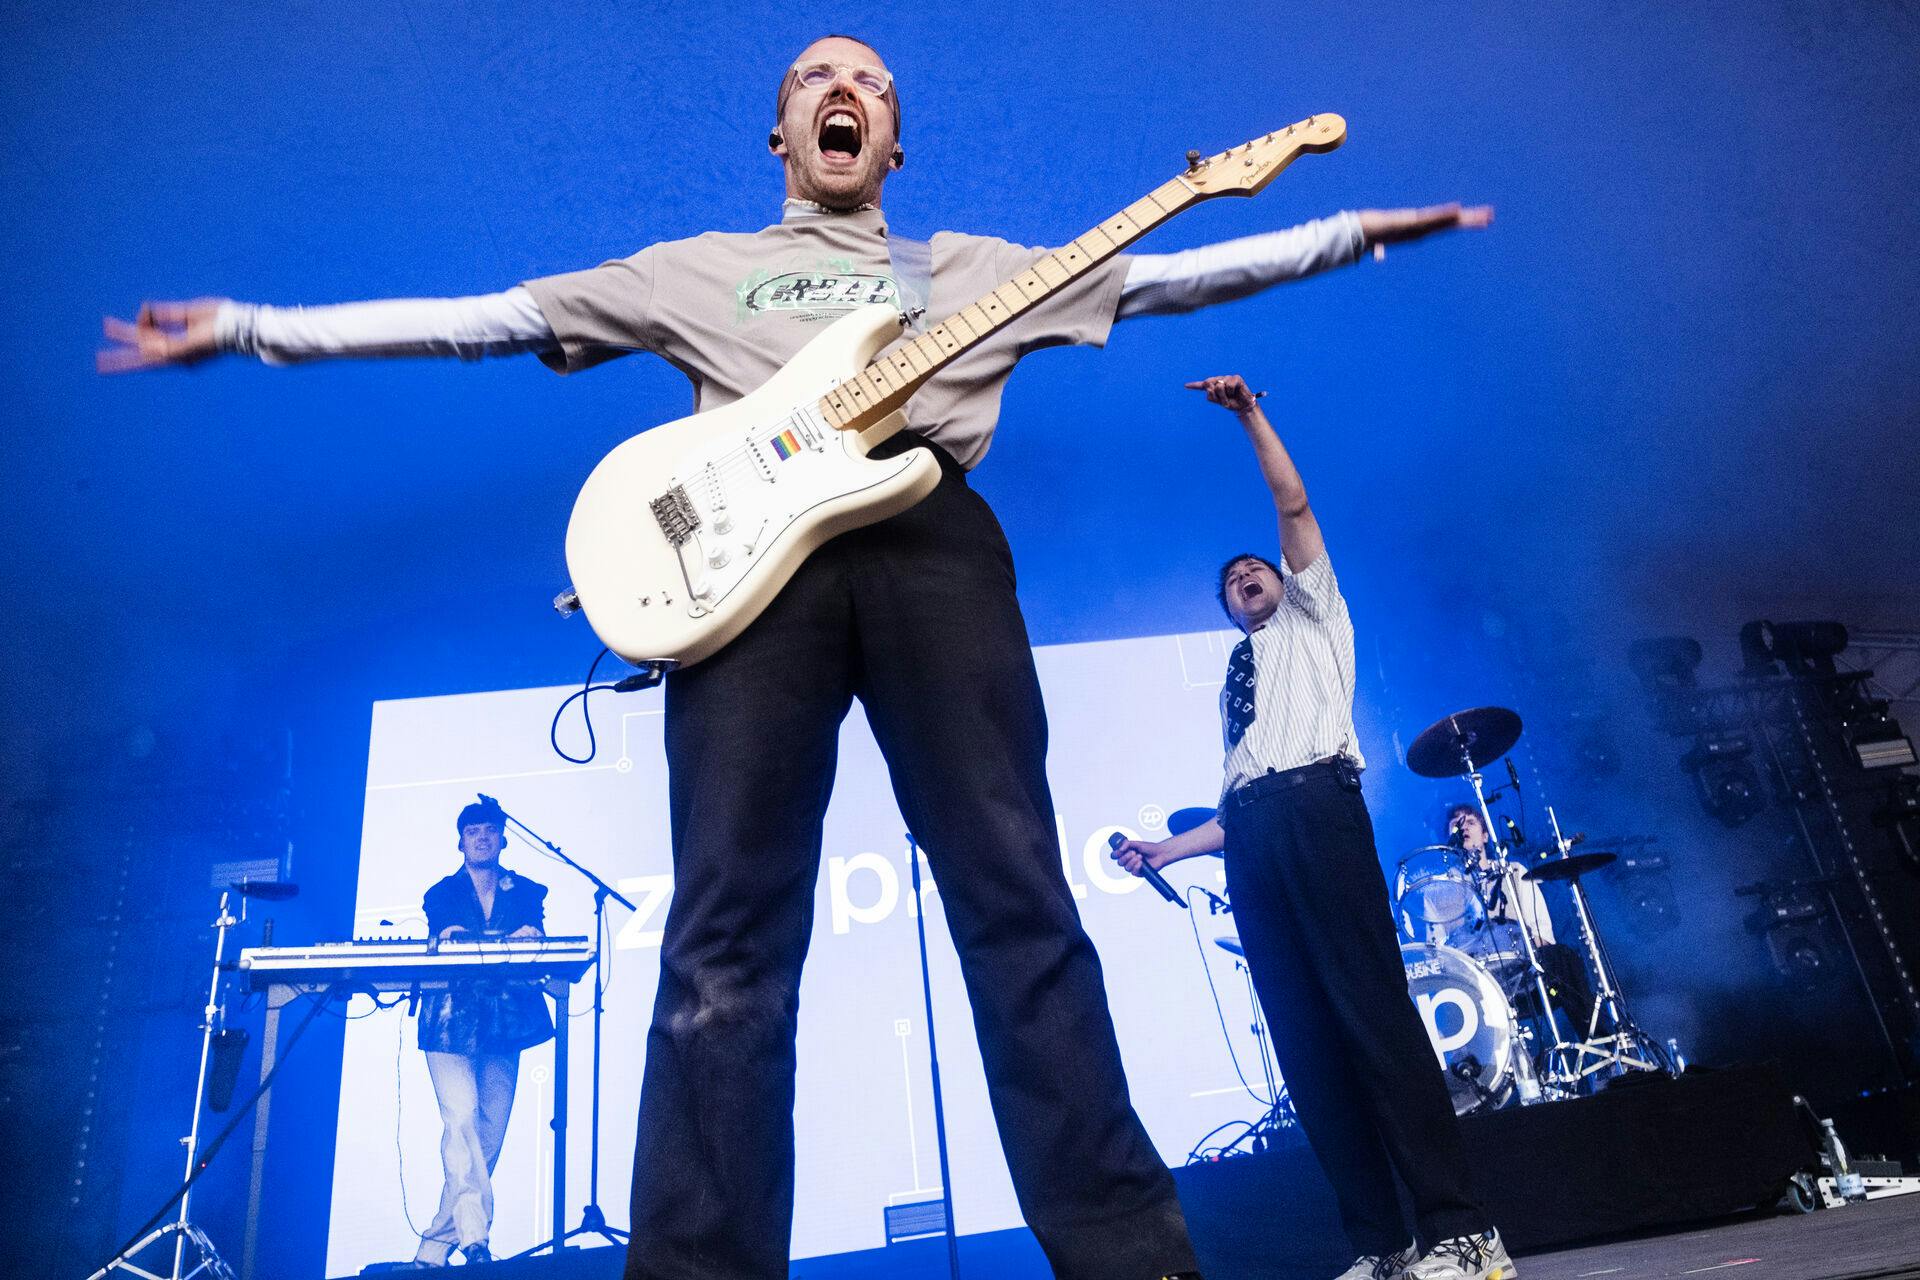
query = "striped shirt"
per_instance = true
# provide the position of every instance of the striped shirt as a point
(1303, 681)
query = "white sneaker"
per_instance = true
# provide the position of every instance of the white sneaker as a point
(1380, 1266)
(1481, 1257)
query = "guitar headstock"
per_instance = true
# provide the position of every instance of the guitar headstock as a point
(1245, 169)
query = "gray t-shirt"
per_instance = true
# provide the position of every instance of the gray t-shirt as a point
(729, 309)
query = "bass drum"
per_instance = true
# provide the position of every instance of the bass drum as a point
(1469, 1021)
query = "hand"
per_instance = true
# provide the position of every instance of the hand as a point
(164, 333)
(452, 931)
(1229, 390)
(1135, 855)
(525, 931)
(1389, 226)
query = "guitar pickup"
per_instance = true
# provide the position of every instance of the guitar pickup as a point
(678, 520)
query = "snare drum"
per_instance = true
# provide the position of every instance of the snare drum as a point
(1469, 1021)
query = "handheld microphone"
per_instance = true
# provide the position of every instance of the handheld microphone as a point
(1147, 873)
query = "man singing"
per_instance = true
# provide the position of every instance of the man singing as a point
(1311, 905)
(472, 1034)
(916, 616)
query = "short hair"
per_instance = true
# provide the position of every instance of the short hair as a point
(1220, 585)
(1456, 808)
(479, 811)
(891, 97)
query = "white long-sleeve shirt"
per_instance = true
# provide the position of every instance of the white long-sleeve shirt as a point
(510, 322)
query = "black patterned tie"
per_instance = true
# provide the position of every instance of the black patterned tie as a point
(1239, 691)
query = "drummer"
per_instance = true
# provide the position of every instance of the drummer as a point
(1515, 902)
(1510, 896)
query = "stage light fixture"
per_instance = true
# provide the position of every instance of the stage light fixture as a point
(1805, 647)
(1724, 779)
(1876, 739)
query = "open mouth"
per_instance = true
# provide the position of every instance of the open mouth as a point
(840, 137)
(1251, 590)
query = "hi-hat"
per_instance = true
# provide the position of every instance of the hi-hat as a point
(1483, 734)
(1181, 821)
(1571, 867)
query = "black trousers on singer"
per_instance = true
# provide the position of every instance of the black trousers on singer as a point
(1310, 904)
(916, 617)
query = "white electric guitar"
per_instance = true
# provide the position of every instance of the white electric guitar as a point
(684, 533)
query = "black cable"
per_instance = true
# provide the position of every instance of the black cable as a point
(586, 714)
(1220, 1013)
(205, 1156)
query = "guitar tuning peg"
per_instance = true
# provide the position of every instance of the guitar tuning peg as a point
(1193, 161)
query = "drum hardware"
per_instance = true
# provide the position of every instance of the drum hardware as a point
(1279, 1112)
(1457, 746)
(1625, 1047)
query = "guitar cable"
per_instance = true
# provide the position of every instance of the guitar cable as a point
(586, 715)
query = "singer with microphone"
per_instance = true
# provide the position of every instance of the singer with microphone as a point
(1310, 903)
(473, 1033)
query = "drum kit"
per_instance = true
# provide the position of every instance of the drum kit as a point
(1507, 1023)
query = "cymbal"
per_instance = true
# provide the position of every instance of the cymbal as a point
(1487, 733)
(1571, 867)
(1230, 943)
(1181, 821)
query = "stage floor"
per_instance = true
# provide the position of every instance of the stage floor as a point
(1881, 1238)
(1859, 1242)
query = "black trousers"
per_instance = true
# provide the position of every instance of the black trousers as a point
(1310, 903)
(916, 617)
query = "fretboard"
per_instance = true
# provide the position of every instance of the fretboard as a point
(887, 383)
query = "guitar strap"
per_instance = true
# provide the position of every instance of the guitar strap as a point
(913, 275)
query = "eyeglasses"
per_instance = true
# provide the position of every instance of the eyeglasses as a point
(818, 75)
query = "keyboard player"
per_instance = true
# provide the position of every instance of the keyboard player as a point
(474, 1032)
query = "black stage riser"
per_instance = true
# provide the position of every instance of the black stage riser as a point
(1647, 1153)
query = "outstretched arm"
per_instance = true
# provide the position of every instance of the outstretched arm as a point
(184, 333)
(1172, 283)
(1300, 539)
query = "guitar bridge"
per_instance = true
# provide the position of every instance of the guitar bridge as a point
(678, 520)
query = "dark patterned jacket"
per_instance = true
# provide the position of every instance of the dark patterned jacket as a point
(485, 1015)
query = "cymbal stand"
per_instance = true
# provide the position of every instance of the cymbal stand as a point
(182, 1228)
(1473, 776)
(1626, 1047)
(1279, 1112)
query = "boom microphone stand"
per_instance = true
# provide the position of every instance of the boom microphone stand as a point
(592, 1220)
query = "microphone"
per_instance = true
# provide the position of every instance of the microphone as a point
(1457, 835)
(1513, 774)
(487, 799)
(1147, 873)
(1514, 835)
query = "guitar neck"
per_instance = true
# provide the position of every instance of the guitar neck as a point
(884, 386)
(887, 383)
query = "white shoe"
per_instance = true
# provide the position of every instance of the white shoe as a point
(1380, 1266)
(1481, 1257)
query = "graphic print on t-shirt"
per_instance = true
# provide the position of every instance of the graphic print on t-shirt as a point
(815, 296)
